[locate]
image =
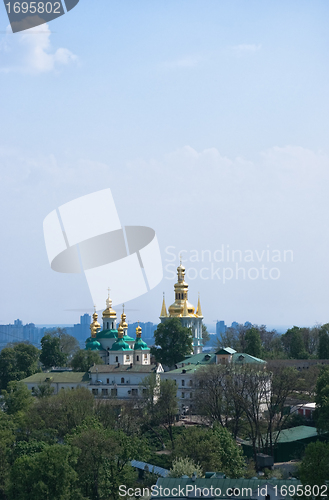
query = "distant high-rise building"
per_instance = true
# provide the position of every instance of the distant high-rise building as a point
(220, 327)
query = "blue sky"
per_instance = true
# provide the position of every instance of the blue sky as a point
(209, 122)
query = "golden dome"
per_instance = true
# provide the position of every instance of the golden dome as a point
(181, 296)
(123, 322)
(95, 326)
(120, 332)
(138, 331)
(109, 312)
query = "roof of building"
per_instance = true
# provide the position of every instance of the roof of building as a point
(201, 358)
(243, 358)
(122, 368)
(226, 350)
(140, 345)
(201, 485)
(57, 378)
(120, 345)
(160, 471)
(107, 334)
(294, 434)
(93, 345)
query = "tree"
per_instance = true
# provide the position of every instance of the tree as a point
(175, 342)
(18, 362)
(51, 355)
(321, 413)
(48, 474)
(167, 406)
(185, 467)
(104, 460)
(84, 359)
(214, 449)
(7, 438)
(205, 335)
(293, 343)
(323, 347)
(67, 343)
(253, 342)
(44, 390)
(314, 467)
(17, 397)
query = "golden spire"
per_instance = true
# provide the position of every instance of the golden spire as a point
(185, 311)
(123, 322)
(198, 309)
(138, 331)
(163, 313)
(120, 332)
(109, 312)
(95, 326)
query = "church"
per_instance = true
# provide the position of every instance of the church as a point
(182, 309)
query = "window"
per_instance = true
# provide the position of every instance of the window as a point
(134, 392)
(183, 383)
(32, 389)
(127, 357)
(72, 388)
(183, 394)
(145, 356)
(107, 380)
(191, 383)
(116, 359)
(144, 391)
(95, 392)
(122, 380)
(105, 392)
(137, 358)
(114, 392)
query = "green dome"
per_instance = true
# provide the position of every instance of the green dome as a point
(128, 339)
(93, 345)
(120, 345)
(141, 345)
(107, 334)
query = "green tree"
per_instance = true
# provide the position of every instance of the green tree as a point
(47, 475)
(321, 413)
(17, 362)
(323, 347)
(167, 406)
(67, 343)
(7, 439)
(314, 467)
(174, 341)
(17, 398)
(104, 460)
(214, 449)
(83, 360)
(51, 355)
(293, 343)
(44, 390)
(253, 342)
(185, 467)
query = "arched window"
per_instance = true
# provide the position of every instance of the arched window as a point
(116, 359)
(137, 358)
(122, 380)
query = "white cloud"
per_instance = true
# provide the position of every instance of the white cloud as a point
(32, 52)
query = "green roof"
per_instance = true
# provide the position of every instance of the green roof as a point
(202, 358)
(226, 350)
(297, 433)
(57, 378)
(107, 334)
(126, 338)
(120, 345)
(93, 345)
(141, 345)
(243, 358)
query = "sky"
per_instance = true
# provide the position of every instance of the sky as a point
(209, 122)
